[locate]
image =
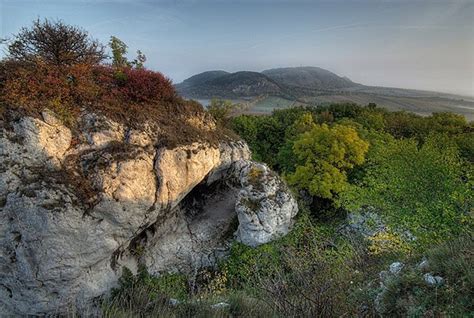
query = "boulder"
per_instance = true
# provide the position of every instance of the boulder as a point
(75, 208)
(265, 207)
(396, 267)
(432, 280)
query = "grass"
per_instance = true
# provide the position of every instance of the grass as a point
(312, 272)
(408, 295)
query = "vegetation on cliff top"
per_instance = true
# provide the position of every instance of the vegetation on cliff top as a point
(51, 65)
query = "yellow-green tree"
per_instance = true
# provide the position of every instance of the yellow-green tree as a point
(221, 110)
(324, 155)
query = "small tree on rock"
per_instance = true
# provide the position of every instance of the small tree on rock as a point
(140, 60)
(119, 52)
(55, 42)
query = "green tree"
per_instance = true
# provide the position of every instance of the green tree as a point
(140, 60)
(287, 116)
(371, 118)
(119, 52)
(246, 127)
(447, 123)
(422, 189)
(270, 137)
(221, 110)
(301, 125)
(465, 143)
(286, 158)
(264, 134)
(406, 125)
(324, 155)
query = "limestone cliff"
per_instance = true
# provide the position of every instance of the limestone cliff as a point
(75, 207)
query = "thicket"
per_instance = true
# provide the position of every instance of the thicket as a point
(62, 68)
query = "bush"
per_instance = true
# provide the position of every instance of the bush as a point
(57, 66)
(420, 188)
(37, 86)
(55, 43)
(221, 110)
(145, 86)
(67, 89)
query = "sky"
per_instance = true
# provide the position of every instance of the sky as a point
(418, 44)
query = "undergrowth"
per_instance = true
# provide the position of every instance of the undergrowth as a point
(312, 272)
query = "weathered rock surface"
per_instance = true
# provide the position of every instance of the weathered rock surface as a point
(365, 223)
(75, 209)
(265, 207)
(432, 280)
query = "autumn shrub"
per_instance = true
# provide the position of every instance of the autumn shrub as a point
(57, 66)
(145, 86)
(34, 87)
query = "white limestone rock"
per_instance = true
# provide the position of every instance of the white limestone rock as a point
(72, 214)
(432, 280)
(99, 130)
(265, 207)
(396, 267)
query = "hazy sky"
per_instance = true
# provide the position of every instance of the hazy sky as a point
(410, 44)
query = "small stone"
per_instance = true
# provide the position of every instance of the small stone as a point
(220, 305)
(424, 265)
(433, 280)
(50, 118)
(174, 302)
(396, 267)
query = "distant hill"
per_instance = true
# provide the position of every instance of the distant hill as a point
(286, 82)
(202, 78)
(309, 77)
(314, 85)
(228, 85)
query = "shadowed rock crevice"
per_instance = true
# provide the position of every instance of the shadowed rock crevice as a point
(198, 231)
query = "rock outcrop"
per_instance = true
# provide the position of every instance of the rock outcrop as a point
(77, 207)
(265, 206)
